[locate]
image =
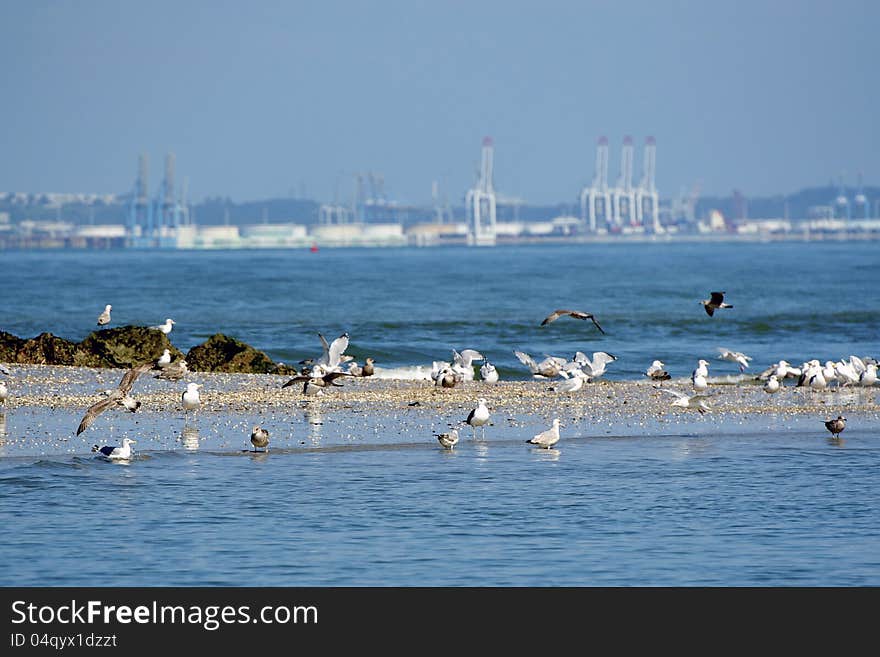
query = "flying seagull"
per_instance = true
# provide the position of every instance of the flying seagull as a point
(111, 452)
(687, 401)
(577, 314)
(715, 301)
(119, 396)
(836, 426)
(737, 357)
(260, 438)
(547, 438)
(312, 384)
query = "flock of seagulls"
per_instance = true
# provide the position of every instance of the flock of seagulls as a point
(322, 373)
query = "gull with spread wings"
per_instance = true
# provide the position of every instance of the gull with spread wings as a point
(577, 314)
(119, 396)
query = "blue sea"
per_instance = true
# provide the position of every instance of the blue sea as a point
(363, 500)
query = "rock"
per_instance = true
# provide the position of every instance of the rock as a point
(46, 349)
(9, 346)
(124, 346)
(224, 354)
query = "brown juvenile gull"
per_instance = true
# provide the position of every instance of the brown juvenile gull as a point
(836, 426)
(715, 301)
(119, 396)
(577, 314)
(547, 438)
(312, 384)
(656, 371)
(104, 317)
(174, 372)
(260, 438)
(448, 439)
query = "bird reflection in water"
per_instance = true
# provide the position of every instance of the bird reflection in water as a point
(315, 420)
(189, 436)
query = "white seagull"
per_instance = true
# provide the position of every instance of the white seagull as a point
(462, 363)
(735, 357)
(332, 357)
(479, 417)
(575, 380)
(190, 398)
(702, 369)
(4, 392)
(596, 367)
(489, 373)
(104, 317)
(656, 372)
(112, 452)
(682, 400)
(772, 385)
(546, 369)
(166, 327)
(547, 438)
(164, 360)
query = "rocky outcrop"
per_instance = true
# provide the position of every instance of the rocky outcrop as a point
(224, 354)
(47, 349)
(9, 346)
(123, 346)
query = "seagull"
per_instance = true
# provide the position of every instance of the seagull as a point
(869, 377)
(332, 357)
(573, 384)
(715, 301)
(479, 417)
(173, 372)
(166, 327)
(489, 373)
(735, 357)
(368, 369)
(190, 398)
(312, 381)
(260, 438)
(5, 370)
(462, 363)
(448, 378)
(700, 383)
(111, 452)
(656, 371)
(104, 317)
(687, 401)
(702, 369)
(577, 314)
(164, 360)
(836, 426)
(449, 439)
(546, 369)
(772, 385)
(119, 396)
(4, 392)
(596, 367)
(547, 438)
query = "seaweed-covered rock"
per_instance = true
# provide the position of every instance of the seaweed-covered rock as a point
(224, 354)
(9, 346)
(124, 346)
(46, 349)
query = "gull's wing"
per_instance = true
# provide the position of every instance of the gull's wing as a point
(94, 411)
(552, 317)
(527, 360)
(298, 377)
(858, 364)
(675, 393)
(717, 298)
(329, 378)
(469, 355)
(325, 356)
(337, 348)
(131, 376)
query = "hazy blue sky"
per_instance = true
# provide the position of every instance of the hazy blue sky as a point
(259, 98)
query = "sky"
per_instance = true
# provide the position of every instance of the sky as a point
(266, 99)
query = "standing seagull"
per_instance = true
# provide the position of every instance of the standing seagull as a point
(119, 396)
(4, 392)
(173, 372)
(836, 426)
(772, 385)
(577, 314)
(656, 371)
(547, 438)
(479, 417)
(715, 301)
(104, 317)
(190, 398)
(448, 439)
(111, 452)
(260, 438)
(166, 327)
(164, 360)
(489, 373)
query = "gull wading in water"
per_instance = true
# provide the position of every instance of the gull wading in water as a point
(104, 317)
(190, 398)
(715, 301)
(577, 314)
(479, 417)
(448, 439)
(113, 452)
(547, 438)
(120, 395)
(836, 426)
(260, 438)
